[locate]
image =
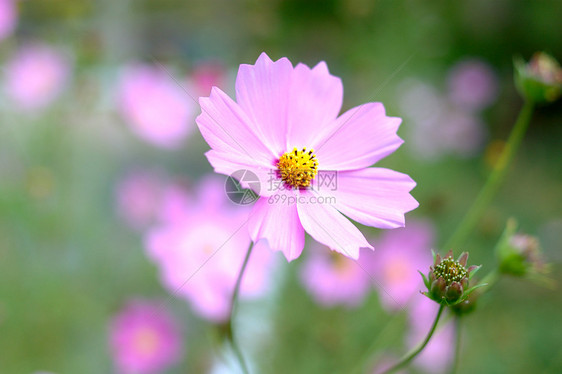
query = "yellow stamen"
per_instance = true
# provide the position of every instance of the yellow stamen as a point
(298, 168)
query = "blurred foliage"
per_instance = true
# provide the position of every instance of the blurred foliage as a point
(67, 263)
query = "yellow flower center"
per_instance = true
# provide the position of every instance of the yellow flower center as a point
(298, 168)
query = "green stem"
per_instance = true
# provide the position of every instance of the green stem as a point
(410, 356)
(230, 328)
(494, 181)
(456, 357)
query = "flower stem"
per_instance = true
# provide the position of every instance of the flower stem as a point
(410, 356)
(230, 328)
(456, 357)
(494, 181)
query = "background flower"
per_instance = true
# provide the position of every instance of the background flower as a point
(394, 265)
(332, 279)
(155, 106)
(35, 75)
(145, 338)
(8, 18)
(199, 253)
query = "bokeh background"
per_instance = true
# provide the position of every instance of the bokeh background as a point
(94, 94)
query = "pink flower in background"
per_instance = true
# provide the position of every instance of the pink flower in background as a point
(438, 354)
(400, 254)
(437, 126)
(138, 196)
(144, 196)
(472, 84)
(156, 107)
(36, 75)
(208, 75)
(332, 279)
(285, 128)
(145, 338)
(199, 253)
(8, 18)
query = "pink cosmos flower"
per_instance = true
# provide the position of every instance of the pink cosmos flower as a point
(200, 252)
(400, 254)
(145, 338)
(438, 354)
(8, 18)
(36, 75)
(472, 84)
(332, 279)
(145, 196)
(156, 107)
(284, 127)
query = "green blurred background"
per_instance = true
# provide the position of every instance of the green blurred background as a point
(67, 262)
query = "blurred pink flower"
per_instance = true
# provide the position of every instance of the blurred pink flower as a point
(8, 18)
(439, 127)
(145, 196)
(208, 75)
(394, 265)
(199, 253)
(285, 128)
(472, 84)
(155, 106)
(36, 75)
(145, 338)
(332, 279)
(438, 354)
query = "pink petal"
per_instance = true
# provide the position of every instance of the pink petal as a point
(278, 222)
(373, 196)
(227, 129)
(229, 164)
(328, 226)
(262, 90)
(314, 104)
(362, 136)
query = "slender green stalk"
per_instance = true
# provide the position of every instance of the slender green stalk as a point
(410, 356)
(230, 328)
(494, 181)
(456, 357)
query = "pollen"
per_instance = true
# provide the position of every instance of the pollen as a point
(298, 168)
(450, 270)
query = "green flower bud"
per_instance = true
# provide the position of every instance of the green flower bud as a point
(540, 80)
(448, 279)
(520, 255)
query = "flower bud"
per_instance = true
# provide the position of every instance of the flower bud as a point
(540, 80)
(520, 254)
(448, 279)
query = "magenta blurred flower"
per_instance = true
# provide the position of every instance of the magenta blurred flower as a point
(332, 279)
(438, 354)
(207, 75)
(144, 197)
(394, 265)
(439, 127)
(36, 75)
(8, 18)
(472, 84)
(199, 253)
(155, 106)
(285, 128)
(145, 338)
